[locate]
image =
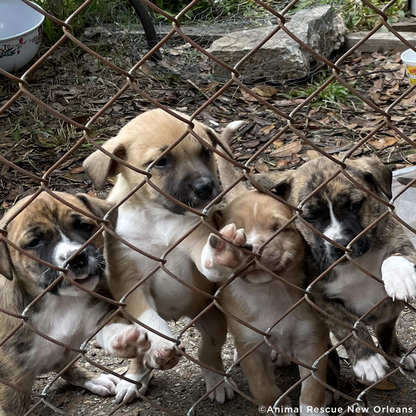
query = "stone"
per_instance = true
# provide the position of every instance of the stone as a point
(281, 57)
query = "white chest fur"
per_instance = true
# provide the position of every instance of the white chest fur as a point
(67, 319)
(358, 291)
(154, 230)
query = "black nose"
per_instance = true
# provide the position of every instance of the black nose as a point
(337, 251)
(203, 187)
(79, 261)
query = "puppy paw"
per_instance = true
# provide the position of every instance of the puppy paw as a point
(104, 385)
(409, 362)
(223, 392)
(372, 368)
(218, 258)
(162, 357)
(399, 276)
(130, 342)
(127, 392)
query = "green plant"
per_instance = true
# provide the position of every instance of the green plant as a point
(356, 14)
(333, 94)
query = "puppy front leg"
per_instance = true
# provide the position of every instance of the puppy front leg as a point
(398, 269)
(366, 363)
(313, 392)
(101, 384)
(162, 354)
(213, 328)
(386, 334)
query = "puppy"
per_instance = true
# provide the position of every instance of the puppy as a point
(262, 223)
(54, 233)
(153, 217)
(340, 211)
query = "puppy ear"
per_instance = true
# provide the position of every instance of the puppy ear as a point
(99, 166)
(99, 207)
(377, 173)
(6, 268)
(277, 182)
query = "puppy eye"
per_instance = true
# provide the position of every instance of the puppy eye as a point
(206, 153)
(309, 217)
(33, 243)
(86, 227)
(162, 163)
(355, 206)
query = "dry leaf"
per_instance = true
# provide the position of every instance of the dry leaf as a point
(261, 166)
(76, 170)
(248, 97)
(267, 129)
(287, 149)
(383, 385)
(288, 103)
(411, 158)
(382, 143)
(264, 91)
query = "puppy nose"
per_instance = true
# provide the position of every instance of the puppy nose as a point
(79, 261)
(337, 251)
(203, 187)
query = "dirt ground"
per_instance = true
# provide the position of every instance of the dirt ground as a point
(72, 82)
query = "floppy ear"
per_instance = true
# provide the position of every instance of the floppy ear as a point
(376, 172)
(277, 182)
(6, 267)
(99, 207)
(99, 166)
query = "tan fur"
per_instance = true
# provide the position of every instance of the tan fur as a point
(155, 226)
(260, 299)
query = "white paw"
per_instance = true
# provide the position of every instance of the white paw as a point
(371, 369)
(162, 355)
(223, 392)
(126, 392)
(104, 385)
(399, 276)
(219, 259)
(127, 341)
(409, 362)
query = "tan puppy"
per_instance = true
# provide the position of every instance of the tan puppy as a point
(341, 211)
(154, 223)
(261, 299)
(51, 231)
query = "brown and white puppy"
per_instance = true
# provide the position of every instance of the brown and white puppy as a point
(254, 219)
(154, 224)
(341, 211)
(51, 231)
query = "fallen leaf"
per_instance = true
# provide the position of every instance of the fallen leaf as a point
(264, 91)
(411, 158)
(267, 129)
(288, 103)
(287, 149)
(261, 166)
(248, 97)
(78, 169)
(382, 385)
(382, 143)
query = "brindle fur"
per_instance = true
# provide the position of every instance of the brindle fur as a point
(387, 237)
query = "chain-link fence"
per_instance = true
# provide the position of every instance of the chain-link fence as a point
(279, 290)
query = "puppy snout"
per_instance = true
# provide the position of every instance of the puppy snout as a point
(203, 187)
(79, 262)
(335, 251)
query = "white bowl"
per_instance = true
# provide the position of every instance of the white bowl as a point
(20, 34)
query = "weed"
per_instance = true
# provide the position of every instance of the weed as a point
(333, 94)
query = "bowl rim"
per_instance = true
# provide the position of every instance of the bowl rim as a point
(17, 35)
